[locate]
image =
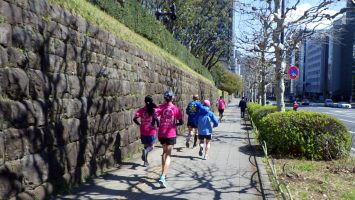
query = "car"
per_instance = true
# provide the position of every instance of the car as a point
(328, 103)
(343, 104)
(305, 102)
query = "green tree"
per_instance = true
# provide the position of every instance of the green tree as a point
(226, 80)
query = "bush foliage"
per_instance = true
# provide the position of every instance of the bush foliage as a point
(139, 20)
(305, 134)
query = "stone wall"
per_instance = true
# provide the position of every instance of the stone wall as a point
(68, 92)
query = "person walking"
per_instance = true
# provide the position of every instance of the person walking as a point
(204, 119)
(170, 117)
(242, 106)
(221, 106)
(148, 126)
(192, 110)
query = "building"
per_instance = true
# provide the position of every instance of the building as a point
(316, 67)
(341, 73)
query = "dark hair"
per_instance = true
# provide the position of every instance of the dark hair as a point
(150, 105)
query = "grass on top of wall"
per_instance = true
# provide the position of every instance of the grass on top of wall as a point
(96, 16)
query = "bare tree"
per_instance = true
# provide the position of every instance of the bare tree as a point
(287, 30)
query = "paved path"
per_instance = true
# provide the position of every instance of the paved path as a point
(229, 173)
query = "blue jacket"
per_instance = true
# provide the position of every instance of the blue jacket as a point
(192, 109)
(204, 118)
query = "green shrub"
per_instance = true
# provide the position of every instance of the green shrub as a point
(251, 108)
(261, 112)
(305, 134)
(135, 17)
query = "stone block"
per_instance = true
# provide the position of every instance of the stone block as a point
(75, 87)
(42, 191)
(56, 164)
(16, 57)
(72, 156)
(60, 84)
(90, 86)
(39, 85)
(39, 7)
(125, 88)
(124, 138)
(35, 169)
(34, 140)
(100, 145)
(56, 47)
(15, 146)
(11, 13)
(15, 83)
(6, 34)
(10, 183)
(71, 127)
(3, 58)
(2, 149)
(22, 37)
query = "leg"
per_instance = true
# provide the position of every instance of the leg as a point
(208, 145)
(200, 152)
(195, 137)
(166, 159)
(163, 157)
(188, 137)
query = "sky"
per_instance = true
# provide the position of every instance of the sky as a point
(243, 23)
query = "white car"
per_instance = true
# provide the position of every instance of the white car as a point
(344, 105)
(328, 103)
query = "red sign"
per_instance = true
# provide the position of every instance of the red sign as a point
(293, 72)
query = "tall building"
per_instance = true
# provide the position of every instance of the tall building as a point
(316, 67)
(341, 74)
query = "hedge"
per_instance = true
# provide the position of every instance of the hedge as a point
(305, 134)
(135, 17)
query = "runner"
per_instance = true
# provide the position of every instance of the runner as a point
(170, 117)
(221, 106)
(148, 119)
(205, 117)
(192, 110)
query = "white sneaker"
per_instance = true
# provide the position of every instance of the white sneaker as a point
(205, 157)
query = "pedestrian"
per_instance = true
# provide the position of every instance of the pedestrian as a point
(295, 105)
(221, 106)
(170, 117)
(148, 126)
(204, 118)
(192, 110)
(242, 106)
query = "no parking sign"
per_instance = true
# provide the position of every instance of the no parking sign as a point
(293, 72)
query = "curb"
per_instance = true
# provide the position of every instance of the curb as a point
(265, 184)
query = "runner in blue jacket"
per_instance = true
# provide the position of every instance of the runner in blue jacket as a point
(204, 119)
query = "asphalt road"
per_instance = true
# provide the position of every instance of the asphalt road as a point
(347, 116)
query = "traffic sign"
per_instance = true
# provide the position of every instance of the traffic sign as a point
(293, 72)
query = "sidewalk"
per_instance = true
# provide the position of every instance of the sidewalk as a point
(229, 173)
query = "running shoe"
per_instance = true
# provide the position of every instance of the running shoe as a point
(162, 182)
(205, 157)
(146, 163)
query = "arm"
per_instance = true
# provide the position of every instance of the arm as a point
(135, 120)
(214, 119)
(155, 121)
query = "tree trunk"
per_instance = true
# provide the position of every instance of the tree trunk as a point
(280, 85)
